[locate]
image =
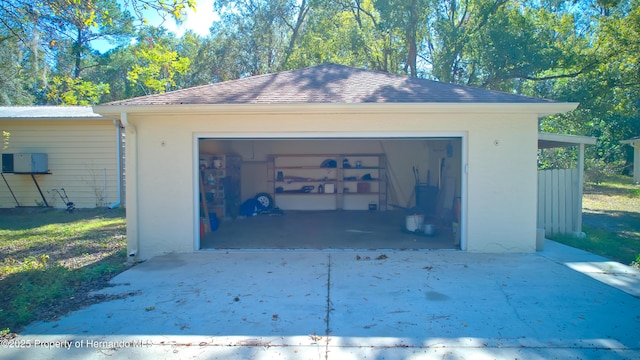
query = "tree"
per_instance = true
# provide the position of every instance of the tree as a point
(519, 45)
(254, 28)
(66, 90)
(156, 67)
(296, 29)
(609, 90)
(5, 139)
(52, 32)
(78, 25)
(409, 18)
(566, 50)
(16, 78)
(453, 25)
(262, 33)
(34, 17)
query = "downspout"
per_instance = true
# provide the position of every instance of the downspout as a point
(133, 243)
(118, 162)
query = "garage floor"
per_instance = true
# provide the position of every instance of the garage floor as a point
(325, 230)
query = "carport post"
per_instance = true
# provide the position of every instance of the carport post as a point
(578, 229)
(636, 162)
(635, 144)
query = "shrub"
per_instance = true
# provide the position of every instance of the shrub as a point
(597, 170)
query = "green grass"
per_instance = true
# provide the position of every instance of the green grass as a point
(613, 208)
(605, 243)
(51, 260)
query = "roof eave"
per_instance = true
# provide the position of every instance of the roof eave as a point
(541, 109)
(48, 112)
(631, 142)
(53, 118)
(549, 140)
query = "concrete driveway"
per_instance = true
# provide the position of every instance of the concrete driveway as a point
(558, 303)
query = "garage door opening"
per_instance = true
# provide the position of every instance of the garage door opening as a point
(397, 193)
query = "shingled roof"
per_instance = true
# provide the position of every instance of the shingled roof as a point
(329, 83)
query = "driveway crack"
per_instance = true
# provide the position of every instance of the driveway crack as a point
(514, 308)
(329, 308)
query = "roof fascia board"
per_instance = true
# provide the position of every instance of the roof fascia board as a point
(567, 139)
(94, 118)
(541, 109)
(631, 141)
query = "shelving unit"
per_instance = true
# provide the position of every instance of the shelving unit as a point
(364, 182)
(220, 185)
(329, 182)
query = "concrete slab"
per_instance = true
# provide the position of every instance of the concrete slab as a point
(350, 305)
(217, 294)
(620, 276)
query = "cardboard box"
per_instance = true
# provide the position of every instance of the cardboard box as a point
(364, 187)
(329, 188)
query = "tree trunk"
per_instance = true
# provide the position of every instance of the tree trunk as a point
(411, 35)
(302, 14)
(77, 49)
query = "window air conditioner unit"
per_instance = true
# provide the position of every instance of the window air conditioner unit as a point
(36, 163)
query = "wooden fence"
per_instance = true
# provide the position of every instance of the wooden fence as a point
(559, 203)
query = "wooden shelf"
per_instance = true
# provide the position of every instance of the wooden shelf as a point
(219, 186)
(306, 168)
(361, 181)
(362, 168)
(306, 194)
(303, 168)
(286, 181)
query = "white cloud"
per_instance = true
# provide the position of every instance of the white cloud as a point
(199, 21)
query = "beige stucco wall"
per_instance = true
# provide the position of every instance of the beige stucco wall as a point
(82, 159)
(500, 151)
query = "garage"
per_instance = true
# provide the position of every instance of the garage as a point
(354, 193)
(347, 155)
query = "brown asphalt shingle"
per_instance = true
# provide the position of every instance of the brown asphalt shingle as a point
(328, 83)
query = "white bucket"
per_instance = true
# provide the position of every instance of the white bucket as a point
(414, 223)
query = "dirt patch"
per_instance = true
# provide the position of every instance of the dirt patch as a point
(84, 296)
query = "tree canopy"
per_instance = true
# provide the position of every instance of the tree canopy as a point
(565, 50)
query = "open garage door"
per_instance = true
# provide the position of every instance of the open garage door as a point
(330, 193)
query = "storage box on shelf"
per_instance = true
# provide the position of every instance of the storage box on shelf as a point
(220, 179)
(328, 182)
